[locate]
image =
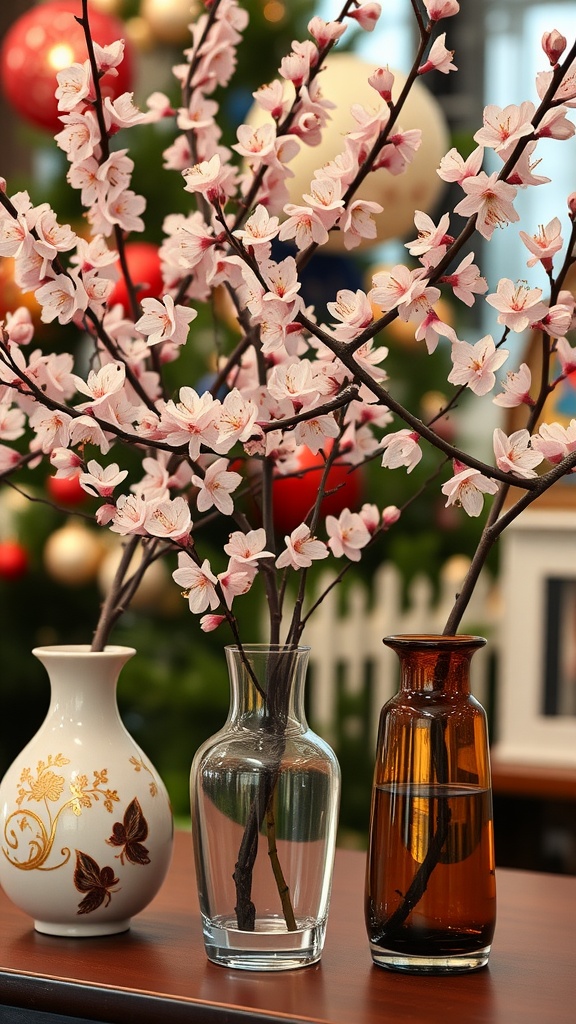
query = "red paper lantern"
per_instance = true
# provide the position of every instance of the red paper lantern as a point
(294, 496)
(44, 41)
(146, 274)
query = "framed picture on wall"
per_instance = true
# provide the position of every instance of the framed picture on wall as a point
(535, 718)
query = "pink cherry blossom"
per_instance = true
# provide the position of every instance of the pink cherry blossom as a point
(236, 421)
(522, 173)
(301, 549)
(390, 515)
(515, 454)
(566, 356)
(169, 519)
(439, 58)
(210, 622)
(259, 229)
(466, 281)
(61, 299)
(518, 304)
(430, 235)
(515, 389)
(453, 167)
(199, 583)
(555, 441)
(163, 321)
(553, 44)
(467, 488)
(325, 198)
(233, 583)
(245, 549)
(215, 486)
(556, 321)
(357, 222)
(325, 32)
(85, 430)
(304, 225)
(544, 244)
(19, 327)
(401, 448)
(348, 535)
(555, 125)
(490, 200)
(382, 80)
(74, 85)
(102, 480)
(504, 126)
(474, 365)
(12, 421)
(366, 15)
(192, 421)
(438, 9)
(394, 287)
(101, 384)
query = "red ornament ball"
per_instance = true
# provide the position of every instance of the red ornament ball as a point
(66, 490)
(294, 496)
(42, 42)
(13, 560)
(145, 272)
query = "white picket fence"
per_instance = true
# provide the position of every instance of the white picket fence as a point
(345, 635)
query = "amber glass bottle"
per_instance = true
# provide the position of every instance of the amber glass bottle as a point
(430, 882)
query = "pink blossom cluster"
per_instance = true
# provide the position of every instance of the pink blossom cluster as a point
(299, 376)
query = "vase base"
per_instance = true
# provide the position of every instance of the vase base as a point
(82, 931)
(270, 947)
(454, 963)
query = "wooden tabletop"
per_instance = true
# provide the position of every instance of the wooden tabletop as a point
(157, 972)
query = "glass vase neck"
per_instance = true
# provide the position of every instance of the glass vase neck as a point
(267, 686)
(430, 662)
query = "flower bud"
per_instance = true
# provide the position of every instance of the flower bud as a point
(382, 80)
(390, 515)
(553, 44)
(571, 201)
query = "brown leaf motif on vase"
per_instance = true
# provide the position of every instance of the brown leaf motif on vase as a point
(130, 835)
(93, 880)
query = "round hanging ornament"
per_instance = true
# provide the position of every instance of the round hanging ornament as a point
(345, 78)
(169, 20)
(45, 40)
(145, 272)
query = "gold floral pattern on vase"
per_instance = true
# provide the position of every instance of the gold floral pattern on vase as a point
(140, 765)
(34, 832)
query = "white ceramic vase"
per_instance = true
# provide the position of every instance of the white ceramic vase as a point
(86, 827)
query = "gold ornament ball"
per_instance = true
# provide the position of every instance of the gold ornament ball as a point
(153, 587)
(345, 81)
(168, 20)
(113, 7)
(72, 554)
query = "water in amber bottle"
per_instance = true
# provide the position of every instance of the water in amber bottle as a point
(430, 881)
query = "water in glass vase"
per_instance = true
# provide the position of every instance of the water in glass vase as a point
(280, 921)
(430, 893)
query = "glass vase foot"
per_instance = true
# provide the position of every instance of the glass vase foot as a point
(270, 947)
(454, 963)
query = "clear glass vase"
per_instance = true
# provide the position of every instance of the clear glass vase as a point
(430, 883)
(265, 796)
